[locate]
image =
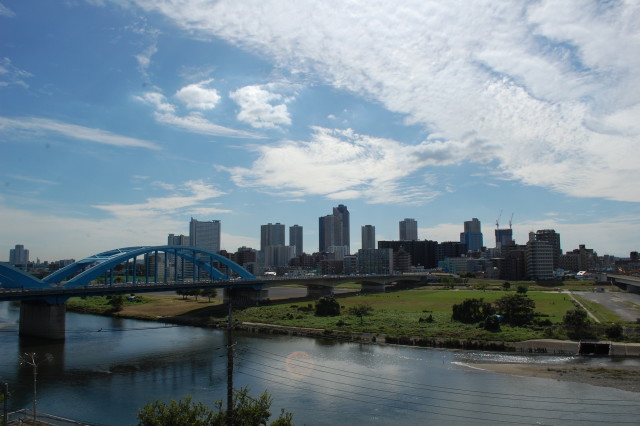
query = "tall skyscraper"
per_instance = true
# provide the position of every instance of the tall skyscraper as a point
(553, 238)
(472, 235)
(368, 237)
(334, 229)
(539, 258)
(503, 237)
(295, 238)
(342, 212)
(205, 234)
(408, 230)
(271, 235)
(19, 256)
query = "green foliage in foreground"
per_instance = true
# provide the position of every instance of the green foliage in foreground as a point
(246, 411)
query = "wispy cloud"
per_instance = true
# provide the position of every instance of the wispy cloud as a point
(186, 199)
(32, 179)
(194, 122)
(6, 12)
(10, 75)
(44, 125)
(549, 87)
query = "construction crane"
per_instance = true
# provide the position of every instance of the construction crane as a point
(510, 220)
(498, 220)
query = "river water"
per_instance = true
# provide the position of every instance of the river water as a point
(108, 368)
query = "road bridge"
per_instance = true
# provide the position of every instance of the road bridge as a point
(629, 283)
(153, 269)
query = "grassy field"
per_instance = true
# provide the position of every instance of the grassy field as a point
(604, 315)
(400, 313)
(396, 313)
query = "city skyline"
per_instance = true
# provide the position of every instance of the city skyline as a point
(252, 114)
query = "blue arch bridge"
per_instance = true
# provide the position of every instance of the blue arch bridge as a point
(151, 269)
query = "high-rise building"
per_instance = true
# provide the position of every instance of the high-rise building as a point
(295, 238)
(423, 252)
(205, 234)
(368, 237)
(271, 235)
(334, 229)
(408, 230)
(503, 237)
(19, 256)
(539, 259)
(553, 238)
(342, 212)
(375, 261)
(472, 235)
(177, 240)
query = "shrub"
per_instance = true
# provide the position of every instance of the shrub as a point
(471, 310)
(327, 306)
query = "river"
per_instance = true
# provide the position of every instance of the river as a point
(108, 368)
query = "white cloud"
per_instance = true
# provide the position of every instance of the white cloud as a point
(341, 164)
(144, 58)
(198, 96)
(257, 107)
(195, 122)
(535, 82)
(39, 125)
(6, 12)
(10, 75)
(188, 196)
(32, 179)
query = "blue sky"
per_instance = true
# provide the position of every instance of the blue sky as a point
(120, 120)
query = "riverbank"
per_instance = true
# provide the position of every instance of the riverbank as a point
(620, 377)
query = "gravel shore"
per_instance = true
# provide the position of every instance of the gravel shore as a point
(620, 377)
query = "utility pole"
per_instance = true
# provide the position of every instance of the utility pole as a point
(230, 368)
(30, 359)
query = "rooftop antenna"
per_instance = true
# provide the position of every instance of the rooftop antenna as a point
(498, 220)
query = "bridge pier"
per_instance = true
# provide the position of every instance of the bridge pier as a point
(39, 319)
(317, 291)
(245, 296)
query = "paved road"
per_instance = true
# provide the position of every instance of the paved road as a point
(625, 305)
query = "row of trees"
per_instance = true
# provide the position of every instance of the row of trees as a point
(206, 292)
(515, 309)
(328, 306)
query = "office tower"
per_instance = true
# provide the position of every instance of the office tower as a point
(205, 235)
(472, 235)
(375, 261)
(423, 252)
(271, 235)
(19, 256)
(408, 230)
(368, 237)
(333, 229)
(342, 212)
(503, 237)
(177, 240)
(553, 238)
(295, 238)
(539, 259)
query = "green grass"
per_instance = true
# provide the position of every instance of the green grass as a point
(604, 315)
(399, 313)
(98, 304)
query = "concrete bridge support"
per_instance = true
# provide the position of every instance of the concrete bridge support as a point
(317, 291)
(245, 296)
(39, 319)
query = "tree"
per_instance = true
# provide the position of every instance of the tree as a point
(360, 310)
(210, 293)
(522, 289)
(517, 309)
(506, 285)
(116, 302)
(577, 324)
(472, 310)
(185, 412)
(327, 306)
